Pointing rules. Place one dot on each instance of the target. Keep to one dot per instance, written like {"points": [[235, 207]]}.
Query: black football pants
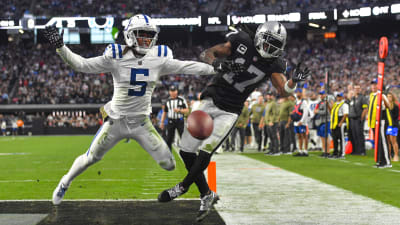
{"points": [[357, 133], [284, 136], [172, 125], [272, 134], [257, 135], [242, 132]]}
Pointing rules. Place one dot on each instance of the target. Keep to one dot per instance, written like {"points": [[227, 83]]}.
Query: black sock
{"points": [[199, 165], [189, 159]]}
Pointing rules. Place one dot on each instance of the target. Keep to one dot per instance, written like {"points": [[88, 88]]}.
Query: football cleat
{"points": [[205, 205], [298, 154], [380, 166], [59, 192], [172, 193]]}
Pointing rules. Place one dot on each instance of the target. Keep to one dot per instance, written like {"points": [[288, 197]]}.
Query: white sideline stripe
{"points": [[282, 197], [358, 163], [14, 153], [21, 219], [96, 200]]}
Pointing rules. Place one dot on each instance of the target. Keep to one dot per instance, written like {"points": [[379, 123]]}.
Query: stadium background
{"points": [[51, 99]]}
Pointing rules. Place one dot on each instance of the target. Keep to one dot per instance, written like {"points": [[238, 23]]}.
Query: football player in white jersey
{"points": [[135, 67]]}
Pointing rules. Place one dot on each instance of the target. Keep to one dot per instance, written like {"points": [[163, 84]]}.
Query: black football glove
{"points": [[55, 39], [221, 66], [299, 74]]}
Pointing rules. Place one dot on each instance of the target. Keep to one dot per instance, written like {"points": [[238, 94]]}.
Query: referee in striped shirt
{"points": [[175, 108]]}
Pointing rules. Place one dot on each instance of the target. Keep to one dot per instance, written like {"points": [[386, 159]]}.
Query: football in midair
{"points": [[200, 125]]}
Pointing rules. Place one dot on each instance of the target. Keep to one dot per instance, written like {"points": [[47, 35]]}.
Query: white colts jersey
{"points": [[134, 78]]}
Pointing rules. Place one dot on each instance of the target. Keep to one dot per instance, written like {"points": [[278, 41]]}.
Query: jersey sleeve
{"points": [[235, 38], [114, 51], [161, 51], [279, 66], [174, 66], [99, 64], [345, 109], [185, 105], [165, 107]]}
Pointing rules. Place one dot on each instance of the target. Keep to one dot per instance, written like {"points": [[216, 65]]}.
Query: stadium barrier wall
{"points": [[37, 127]]}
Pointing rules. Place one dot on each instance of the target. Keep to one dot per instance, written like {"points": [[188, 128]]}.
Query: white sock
{"points": [[80, 164]]}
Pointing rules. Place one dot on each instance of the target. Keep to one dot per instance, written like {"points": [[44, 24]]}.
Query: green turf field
{"points": [[126, 172], [355, 173]]}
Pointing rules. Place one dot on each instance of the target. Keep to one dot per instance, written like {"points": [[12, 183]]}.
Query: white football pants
{"points": [[111, 132], [223, 124]]}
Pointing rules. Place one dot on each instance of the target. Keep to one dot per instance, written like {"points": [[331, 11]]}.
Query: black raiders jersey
{"points": [[229, 91]]}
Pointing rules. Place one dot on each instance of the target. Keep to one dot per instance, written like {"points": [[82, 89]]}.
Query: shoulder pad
{"points": [[162, 51], [238, 36], [114, 51], [279, 65]]}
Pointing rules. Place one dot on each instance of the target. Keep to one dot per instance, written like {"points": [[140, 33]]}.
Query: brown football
{"points": [[200, 125]]}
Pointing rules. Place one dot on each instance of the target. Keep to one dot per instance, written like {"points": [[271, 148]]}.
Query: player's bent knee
{"points": [[92, 159], [167, 164]]}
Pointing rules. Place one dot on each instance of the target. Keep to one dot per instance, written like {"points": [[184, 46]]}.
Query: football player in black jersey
{"points": [[242, 65]]}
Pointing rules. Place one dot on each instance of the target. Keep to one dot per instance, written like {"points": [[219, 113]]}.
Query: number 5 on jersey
{"points": [[143, 84]]}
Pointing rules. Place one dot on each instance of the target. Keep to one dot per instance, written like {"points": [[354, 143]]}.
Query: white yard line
{"points": [[276, 196], [21, 219], [14, 153]]}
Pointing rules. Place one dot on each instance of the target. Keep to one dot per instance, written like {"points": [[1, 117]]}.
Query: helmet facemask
{"points": [[141, 39], [268, 45], [270, 39], [141, 33]]}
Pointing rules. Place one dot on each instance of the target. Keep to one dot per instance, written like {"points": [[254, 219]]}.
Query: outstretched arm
{"points": [[174, 66], [279, 81], [216, 55], [218, 51], [99, 64], [92, 65], [285, 87]]}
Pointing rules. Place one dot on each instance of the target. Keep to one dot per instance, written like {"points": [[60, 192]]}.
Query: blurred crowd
{"points": [[36, 75], [73, 119], [169, 8], [21, 123], [284, 6]]}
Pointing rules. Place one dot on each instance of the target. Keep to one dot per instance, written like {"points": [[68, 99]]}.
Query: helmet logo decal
{"points": [[145, 18], [130, 20]]}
